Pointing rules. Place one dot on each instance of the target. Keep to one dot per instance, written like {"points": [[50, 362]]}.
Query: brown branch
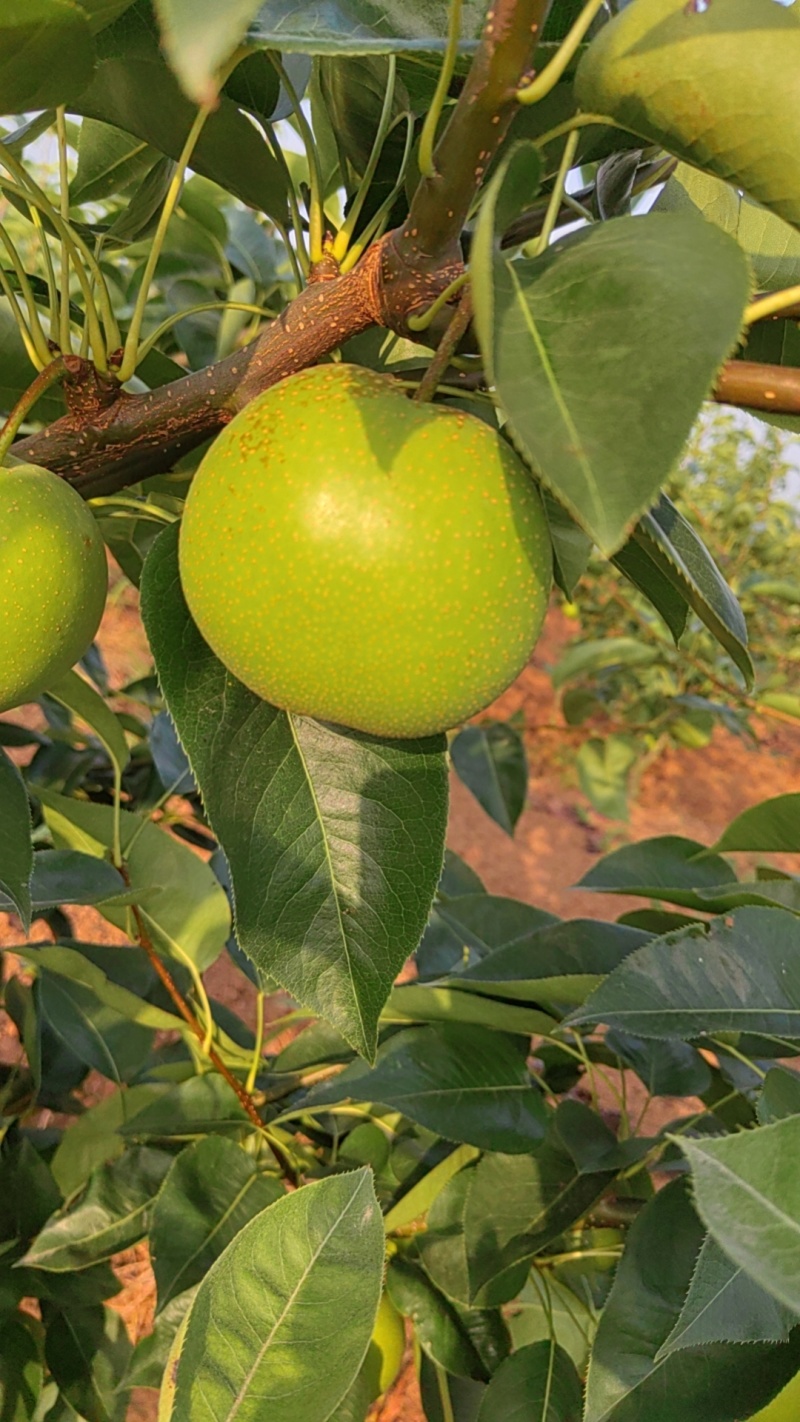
{"points": [[100, 447], [759, 387]]}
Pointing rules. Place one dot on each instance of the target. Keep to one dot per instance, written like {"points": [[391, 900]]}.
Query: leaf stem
{"points": [[19, 317], [427, 139], [549, 77], [63, 196], [34, 324], [448, 1414], [423, 321], [769, 305], [130, 358], [316, 211], [554, 206], [377, 224], [258, 1045], [166, 325], [348, 227], [56, 370]]}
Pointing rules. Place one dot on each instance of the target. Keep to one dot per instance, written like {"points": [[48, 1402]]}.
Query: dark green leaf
{"points": [[465, 1083], [94, 1138], [579, 422], [20, 1371], [334, 839], [673, 546], [46, 54], [437, 1389], [86, 1351], [95, 1032], [694, 984], [112, 1215], [724, 1305], [587, 658], [747, 1192], [772, 246], [571, 547], [665, 1068], [149, 1358], [83, 701], [538, 1384], [436, 1324], [517, 1204], [443, 1249], [212, 1190], [17, 372], [16, 851], [557, 965], [283, 1282], [490, 760], [657, 66], [201, 1104], [464, 928], [108, 162], [627, 1382], [668, 868], [65, 876], [641, 568]]}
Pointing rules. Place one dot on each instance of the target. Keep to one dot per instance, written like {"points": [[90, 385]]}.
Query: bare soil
{"points": [[558, 838]]}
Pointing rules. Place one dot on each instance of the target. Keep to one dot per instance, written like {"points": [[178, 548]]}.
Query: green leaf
{"points": [[772, 826], [747, 1192], [20, 1371], [198, 40], [549, 1309], [436, 1323], [537, 1384], [490, 760], [86, 1350], [281, 1284], [571, 547], [724, 1305], [443, 1250], [94, 1137], [75, 967], [601, 654], [672, 544], [669, 868], [462, 931], [181, 901], [517, 1203], [696, 984], [212, 1190], [780, 1095], [134, 90], [359, 26], [108, 162], [46, 54], [149, 1357], [465, 1083], [16, 850], [415, 1002], [557, 965], [669, 74], [103, 12], [635, 560], [628, 1380], [111, 1215], [94, 1032], [665, 294], [668, 1068], [335, 840], [604, 765], [197, 1106], [84, 702], [65, 876], [772, 246]]}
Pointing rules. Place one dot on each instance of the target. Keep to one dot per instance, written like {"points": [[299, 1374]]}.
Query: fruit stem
{"points": [[549, 77], [430, 381], [56, 370], [424, 320], [554, 206], [427, 139], [348, 227]]}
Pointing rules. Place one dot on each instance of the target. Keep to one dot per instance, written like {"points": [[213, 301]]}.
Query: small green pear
{"points": [[356, 556], [53, 581]]}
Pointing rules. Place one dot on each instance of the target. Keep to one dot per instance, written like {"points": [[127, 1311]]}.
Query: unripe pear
{"points": [[355, 556], [53, 581]]}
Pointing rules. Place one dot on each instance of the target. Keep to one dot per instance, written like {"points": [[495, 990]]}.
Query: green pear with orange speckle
{"points": [[355, 556], [53, 580]]}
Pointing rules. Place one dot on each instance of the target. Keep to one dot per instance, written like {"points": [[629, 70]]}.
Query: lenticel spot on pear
{"points": [[364, 559]]}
